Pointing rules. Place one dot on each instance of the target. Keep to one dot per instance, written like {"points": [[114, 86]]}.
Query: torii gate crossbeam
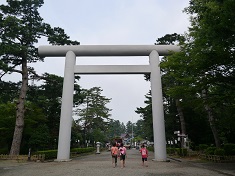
{"points": [[153, 51]]}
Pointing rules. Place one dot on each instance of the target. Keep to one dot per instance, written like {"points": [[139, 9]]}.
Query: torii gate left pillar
{"points": [[66, 108], [153, 51]]}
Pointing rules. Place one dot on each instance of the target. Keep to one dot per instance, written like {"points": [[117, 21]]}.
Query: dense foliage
{"points": [[199, 82], [21, 27]]}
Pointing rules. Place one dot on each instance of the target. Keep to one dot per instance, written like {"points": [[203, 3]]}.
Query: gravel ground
{"points": [[100, 165]]}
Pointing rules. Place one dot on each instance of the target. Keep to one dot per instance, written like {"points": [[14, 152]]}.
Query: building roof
{"points": [[125, 135]]}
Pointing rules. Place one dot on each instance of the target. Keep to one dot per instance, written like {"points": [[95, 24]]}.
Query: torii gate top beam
{"points": [[106, 50]]}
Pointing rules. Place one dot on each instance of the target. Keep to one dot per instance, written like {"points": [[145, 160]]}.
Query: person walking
{"points": [[144, 154], [122, 151], [114, 153]]}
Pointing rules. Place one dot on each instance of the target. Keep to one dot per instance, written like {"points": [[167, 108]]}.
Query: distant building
{"points": [[125, 138]]}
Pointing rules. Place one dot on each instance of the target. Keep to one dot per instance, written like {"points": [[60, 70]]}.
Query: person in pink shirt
{"points": [[122, 151], [114, 153], [144, 154]]}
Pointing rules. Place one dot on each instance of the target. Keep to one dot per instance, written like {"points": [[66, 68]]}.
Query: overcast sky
{"points": [[115, 22]]}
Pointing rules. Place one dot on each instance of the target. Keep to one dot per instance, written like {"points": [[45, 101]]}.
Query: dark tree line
{"points": [[42, 116]]}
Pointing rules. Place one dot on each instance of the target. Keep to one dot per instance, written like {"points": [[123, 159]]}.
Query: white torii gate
{"points": [[153, 51]]}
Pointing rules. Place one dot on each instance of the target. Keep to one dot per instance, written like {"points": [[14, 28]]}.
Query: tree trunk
{"points": [[20, 109], [211, 119], [182, 121]]}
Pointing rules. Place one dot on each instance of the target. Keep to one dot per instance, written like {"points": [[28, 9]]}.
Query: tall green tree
{"points": [[139, 129], [173, 78], [9, 91], [7, 119], [76, 135], [146, 114], [115, 129], [211, 46], [198, 82], [129, 127], [20, 28], [49, 100], [34, 120], [93, 113]]}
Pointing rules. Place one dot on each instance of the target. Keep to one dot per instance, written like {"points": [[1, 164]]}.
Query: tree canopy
{"points": [[198, 82], [21, 27], [93, 115]]}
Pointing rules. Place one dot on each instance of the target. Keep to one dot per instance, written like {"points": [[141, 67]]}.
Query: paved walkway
{"points": [[100, 165]]}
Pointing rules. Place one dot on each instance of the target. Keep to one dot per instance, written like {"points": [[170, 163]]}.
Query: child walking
{"points": [[122, 151], [144, 154], [114, 153]]}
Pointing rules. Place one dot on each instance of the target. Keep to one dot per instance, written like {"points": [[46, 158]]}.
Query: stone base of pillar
{"points": [[62, 160]]}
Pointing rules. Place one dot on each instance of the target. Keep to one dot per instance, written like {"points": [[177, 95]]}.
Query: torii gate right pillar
{"points": [[157, 108]]}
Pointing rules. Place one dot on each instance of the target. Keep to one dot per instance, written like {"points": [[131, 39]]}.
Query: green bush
{"points": [[210, 150], [184, 151], [82, 150], [196, 148], [202, 147], [4, 151], [52, 154], [177, 151], [181, 151], [49, 154], [229, 149], [170, 150], [219, 151], [151, 148]]}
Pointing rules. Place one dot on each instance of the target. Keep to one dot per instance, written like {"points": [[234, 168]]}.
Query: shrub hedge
{"points": [[177, 151], [151, 148], [210, 150], [49, 154], [226, 150], [170, 150], [219, 152], [82, 150], [202, 147], [229, 149], [4, 151], [52, 154]]}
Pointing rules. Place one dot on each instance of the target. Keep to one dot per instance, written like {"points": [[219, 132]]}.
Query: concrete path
{"points": [[101, 165]]}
